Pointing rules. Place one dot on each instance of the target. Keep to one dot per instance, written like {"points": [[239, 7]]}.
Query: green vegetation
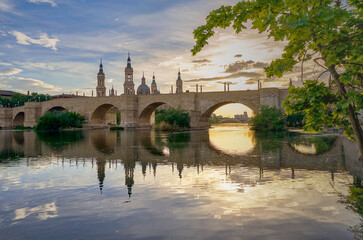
{"points": [[57, 120], [20, 127], [171, 120], [213, 119], [118, 118], [321, 143], [295, 120], [268, 119], [356, 199], [115, 128], [328, 33], [18, 99]]}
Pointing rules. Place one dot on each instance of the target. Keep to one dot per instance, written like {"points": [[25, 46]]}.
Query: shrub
{"points": [[171, 119], [114, 128], [57, 120], [268, 119], [21, 127]]}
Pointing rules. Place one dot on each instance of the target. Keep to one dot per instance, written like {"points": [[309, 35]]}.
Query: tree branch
{"points": [[315, 60]]}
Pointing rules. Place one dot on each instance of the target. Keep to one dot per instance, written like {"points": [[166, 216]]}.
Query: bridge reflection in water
{"points": [[219, 146]]}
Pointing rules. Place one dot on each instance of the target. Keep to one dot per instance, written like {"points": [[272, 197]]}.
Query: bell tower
{"points": [[101, 89], [129, 78], [179, 84]]}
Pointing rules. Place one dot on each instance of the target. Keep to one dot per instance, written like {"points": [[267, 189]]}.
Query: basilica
{"points": [[129, 86]]}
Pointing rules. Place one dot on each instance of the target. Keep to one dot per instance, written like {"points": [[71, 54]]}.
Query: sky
{"points": [[55, 46]]}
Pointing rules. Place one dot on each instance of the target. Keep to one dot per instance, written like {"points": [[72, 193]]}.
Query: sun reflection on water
{"points": [[232, 139]]}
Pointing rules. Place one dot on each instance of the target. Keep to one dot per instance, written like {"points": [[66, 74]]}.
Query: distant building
{"points": [[129, 78], [179, 84], [6, 93], [112, 92], [154, 88], [101, 88], [242, 117], [143, 89]]}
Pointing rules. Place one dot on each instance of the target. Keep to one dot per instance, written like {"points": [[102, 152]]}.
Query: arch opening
{"points": [[147, 115], [19, 119], [55, 109], [106, 114], [226, 112]]}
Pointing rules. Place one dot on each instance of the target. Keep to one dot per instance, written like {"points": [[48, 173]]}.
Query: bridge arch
{"points": [[98, 115], [207, 111], [19, 119], [147, 111], [54, 108]]}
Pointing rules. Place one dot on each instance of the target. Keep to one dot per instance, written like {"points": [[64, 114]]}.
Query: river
{"points": [[223, 183]]}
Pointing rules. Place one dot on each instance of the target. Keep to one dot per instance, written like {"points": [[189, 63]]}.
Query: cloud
{"points": [[6, 6], [22, 84], [238, 55], [201, 61], [43, 40], [242, 65], [9, 71], [51, 2], [36, 65], [233, 75], [5, 64]]}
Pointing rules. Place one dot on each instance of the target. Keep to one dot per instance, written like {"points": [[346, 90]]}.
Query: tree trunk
{"points": [[353, 118]]}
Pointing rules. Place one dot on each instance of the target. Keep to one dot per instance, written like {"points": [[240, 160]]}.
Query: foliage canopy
{"points": [[18, 99], [328, 32], [174, 117], [58, 120], [268, 119]]}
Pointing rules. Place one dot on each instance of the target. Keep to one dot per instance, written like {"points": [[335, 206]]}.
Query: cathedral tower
{"points": [[154, 88], [129, 78], [101, 89], [179, 84]]}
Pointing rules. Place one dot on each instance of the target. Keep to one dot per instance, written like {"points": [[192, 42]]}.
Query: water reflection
{"points": [[232, 139], [195, 175]]}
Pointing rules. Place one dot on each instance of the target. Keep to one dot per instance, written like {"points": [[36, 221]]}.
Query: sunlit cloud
{"points": [[22, 84], [43, 40], [9, 71]]}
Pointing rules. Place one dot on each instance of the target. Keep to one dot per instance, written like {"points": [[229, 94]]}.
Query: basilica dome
{"points": [[143, 89]]}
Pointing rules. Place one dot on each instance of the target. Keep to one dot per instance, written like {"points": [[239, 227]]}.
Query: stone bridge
{"points": [[136, 110]]}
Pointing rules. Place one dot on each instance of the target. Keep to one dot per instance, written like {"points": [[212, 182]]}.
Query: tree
{"points": [[173, 117], [268, 119], [57, 120], [328, 32]]}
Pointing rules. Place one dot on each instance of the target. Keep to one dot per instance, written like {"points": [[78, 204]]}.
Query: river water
{"points": [[223, 183]]}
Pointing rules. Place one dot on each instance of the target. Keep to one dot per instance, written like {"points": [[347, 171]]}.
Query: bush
{"points": [[171, 119], [116, 128], [268, 119], [21, 127], [57, 120]]}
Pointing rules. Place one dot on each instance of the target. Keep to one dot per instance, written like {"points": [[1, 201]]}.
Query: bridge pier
{"points": [[33, 111], [6, 117], [129, 112]]}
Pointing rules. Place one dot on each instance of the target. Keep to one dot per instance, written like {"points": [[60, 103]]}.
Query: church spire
{"points": [[143, 78], [179, 77], [128, 61], [101, 67]]}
